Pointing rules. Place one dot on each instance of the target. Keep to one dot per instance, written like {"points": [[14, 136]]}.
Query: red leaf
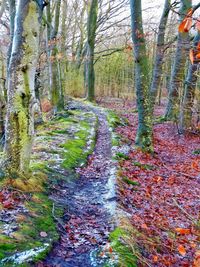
{"points": [[8, 204], [198, 56]]}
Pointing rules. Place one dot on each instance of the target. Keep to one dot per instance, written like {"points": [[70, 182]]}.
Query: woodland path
{"points": [[89, 205]]}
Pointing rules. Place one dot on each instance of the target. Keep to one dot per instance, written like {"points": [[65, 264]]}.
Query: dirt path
{"points": [[89, 204]]}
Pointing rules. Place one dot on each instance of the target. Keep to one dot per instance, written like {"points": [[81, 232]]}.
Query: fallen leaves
{"points": [[9, 199], [169, 236]]}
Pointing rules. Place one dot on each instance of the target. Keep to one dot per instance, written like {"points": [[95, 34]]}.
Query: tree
{"points": [[91, 34], [19, 128], [56, 90], [159, 56], [144, 131], [191, 79], [178, 69]]}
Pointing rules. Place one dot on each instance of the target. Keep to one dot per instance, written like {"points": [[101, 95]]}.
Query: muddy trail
{"points": [[88, 199]]}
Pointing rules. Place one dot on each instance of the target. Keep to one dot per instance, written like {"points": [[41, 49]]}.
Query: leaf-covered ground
{"points": [[160, 193]]}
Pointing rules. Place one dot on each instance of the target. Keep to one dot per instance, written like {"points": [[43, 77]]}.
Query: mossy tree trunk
{"points": [[12, 12], [190, 86], [159, 55], [2, 97], [56, 91], [19, 127], [63, 61], [178, 69], [144, 131], [91, 36]]}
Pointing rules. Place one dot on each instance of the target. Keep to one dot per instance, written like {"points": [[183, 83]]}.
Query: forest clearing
{"points": [[100, 133]]}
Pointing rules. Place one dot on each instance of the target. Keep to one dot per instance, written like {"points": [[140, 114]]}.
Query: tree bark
{"points": [[144, 131], [56, 92], [19, 128], [91, 36], [159, 55], [178, 69], [190, 86]]}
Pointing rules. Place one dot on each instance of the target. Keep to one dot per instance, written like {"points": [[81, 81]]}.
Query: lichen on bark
{"points": [[21, 74]]}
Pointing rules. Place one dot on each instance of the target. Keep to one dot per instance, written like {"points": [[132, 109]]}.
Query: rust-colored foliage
{"points": [[186, 24], [164, 208]]}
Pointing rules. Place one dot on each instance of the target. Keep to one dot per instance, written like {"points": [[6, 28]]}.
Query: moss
{"points": [[120, 155], [130, 182], [75, 153], [115, 140], [35, 166], [160, 119], [196, 151], [125, 254], [144, 166]]}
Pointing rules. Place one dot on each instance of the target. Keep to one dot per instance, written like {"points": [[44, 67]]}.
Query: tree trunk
{"points": [[91, 36], [19, 128], [144, 131], [159, 55], [191, 81], [178, 69], [57, 101]]}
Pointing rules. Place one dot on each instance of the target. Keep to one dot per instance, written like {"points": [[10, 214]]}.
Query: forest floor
{"points": [[111, 202], [160, 193]]}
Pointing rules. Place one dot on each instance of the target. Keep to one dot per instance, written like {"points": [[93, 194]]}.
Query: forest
{"points": [[100, 133]]}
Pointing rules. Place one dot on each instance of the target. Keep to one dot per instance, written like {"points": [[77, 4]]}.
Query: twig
{"points": [[58, 220], [184, 211]]}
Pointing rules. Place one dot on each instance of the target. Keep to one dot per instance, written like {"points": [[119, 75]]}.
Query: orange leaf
{"points": [[192, 56], [190, 12], [110, 249], [188, 25], [196, 262], [195, 164], [144, 226], [183, 231], [181, 250], [155, 258], [198, 56]]}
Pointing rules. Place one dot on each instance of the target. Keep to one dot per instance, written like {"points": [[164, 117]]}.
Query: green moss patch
{"points": [[144, 166], [125, 254], [28, 235]]}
